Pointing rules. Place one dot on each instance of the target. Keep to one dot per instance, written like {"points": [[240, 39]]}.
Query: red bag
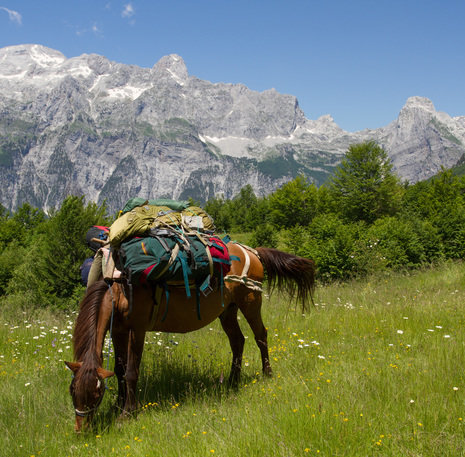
{"points": [[220, 255]]}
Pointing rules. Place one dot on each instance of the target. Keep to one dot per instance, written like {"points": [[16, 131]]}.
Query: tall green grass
{"points": [[375, 368]]}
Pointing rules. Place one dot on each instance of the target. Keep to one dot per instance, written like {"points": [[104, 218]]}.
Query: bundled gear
{"points": [[141, 219], [163, 243]]}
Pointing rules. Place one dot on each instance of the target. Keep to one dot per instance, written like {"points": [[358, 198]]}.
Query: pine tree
{"points": [[364, 187]]}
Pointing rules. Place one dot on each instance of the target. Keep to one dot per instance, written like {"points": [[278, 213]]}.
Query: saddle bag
{"points": [[169, 259]]}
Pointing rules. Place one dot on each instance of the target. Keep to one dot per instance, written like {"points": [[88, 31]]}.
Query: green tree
{"points": [[19, 226], [243, 213], [364, 187], [243, 209], [295, 203], [10, 230], [16, 231], [59, 250], [441, 201], [437, 196], [10, 258], [217, 208]]}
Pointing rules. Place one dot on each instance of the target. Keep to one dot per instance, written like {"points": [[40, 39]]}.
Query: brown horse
{"points": [[106, 306]]}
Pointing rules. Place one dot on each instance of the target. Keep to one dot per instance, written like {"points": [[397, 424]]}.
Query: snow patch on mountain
{"points": [[108, 130]]}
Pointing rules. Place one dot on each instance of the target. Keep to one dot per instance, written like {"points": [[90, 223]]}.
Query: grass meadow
{"points": [[376, 368]]}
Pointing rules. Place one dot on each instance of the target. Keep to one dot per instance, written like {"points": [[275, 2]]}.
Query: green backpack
{"points": [[177, 205], [167, 259]]}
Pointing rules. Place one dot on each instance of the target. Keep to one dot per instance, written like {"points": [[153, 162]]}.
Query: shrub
{"points": [[450, 227], [264, 235], [334, 244], [10, 258], [295, 238], [406, 242], [329, 242]]}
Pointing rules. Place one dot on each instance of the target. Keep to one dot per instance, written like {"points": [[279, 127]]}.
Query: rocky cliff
{"points": [[105, 130]]}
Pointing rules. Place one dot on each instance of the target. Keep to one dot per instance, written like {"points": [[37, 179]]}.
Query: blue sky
{"points": [[357, 60]]}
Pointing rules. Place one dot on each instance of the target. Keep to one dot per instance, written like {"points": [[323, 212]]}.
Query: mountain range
{"points": [[109, 131]]}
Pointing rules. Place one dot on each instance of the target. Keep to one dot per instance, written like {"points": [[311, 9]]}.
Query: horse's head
{"points": [[86, 389]]}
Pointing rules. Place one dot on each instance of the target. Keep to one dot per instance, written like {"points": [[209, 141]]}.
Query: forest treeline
{"points": [[363, 220]]}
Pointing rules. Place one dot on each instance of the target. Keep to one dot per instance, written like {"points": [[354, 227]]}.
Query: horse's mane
{"points": [[85, 331]]}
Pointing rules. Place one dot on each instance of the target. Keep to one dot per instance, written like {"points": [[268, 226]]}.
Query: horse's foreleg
{"points": [[135, 349], [236, 339], [252, 312], [120, 343]]}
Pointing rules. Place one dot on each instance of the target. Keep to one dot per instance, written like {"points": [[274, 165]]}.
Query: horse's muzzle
{"points": [[78, 423]]}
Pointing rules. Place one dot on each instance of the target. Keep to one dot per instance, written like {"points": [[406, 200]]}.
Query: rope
{"points": [[243, 278]]}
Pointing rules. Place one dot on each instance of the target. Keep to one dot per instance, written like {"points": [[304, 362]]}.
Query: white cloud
{"points": [[128, 10], [13, 15], [96, 30]]}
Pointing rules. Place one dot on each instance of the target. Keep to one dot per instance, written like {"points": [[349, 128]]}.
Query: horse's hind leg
{"points": [[251, 309], [231, 327]]}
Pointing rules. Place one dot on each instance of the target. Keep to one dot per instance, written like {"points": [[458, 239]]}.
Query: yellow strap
{"points": [[174, 254], [155, 306]]}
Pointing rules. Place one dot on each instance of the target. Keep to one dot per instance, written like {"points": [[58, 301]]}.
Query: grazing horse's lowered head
{"points": [[87, 389], [88, 386]]}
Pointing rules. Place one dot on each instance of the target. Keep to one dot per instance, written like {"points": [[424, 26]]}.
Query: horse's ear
{"points": [[74, 366], [103, 374]]}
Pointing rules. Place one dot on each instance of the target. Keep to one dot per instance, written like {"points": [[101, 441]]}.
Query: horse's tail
{"points": [[289, 273], [86, 322]]}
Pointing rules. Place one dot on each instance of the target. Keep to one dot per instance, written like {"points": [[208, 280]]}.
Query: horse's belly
{"points": [[182, 314]]}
